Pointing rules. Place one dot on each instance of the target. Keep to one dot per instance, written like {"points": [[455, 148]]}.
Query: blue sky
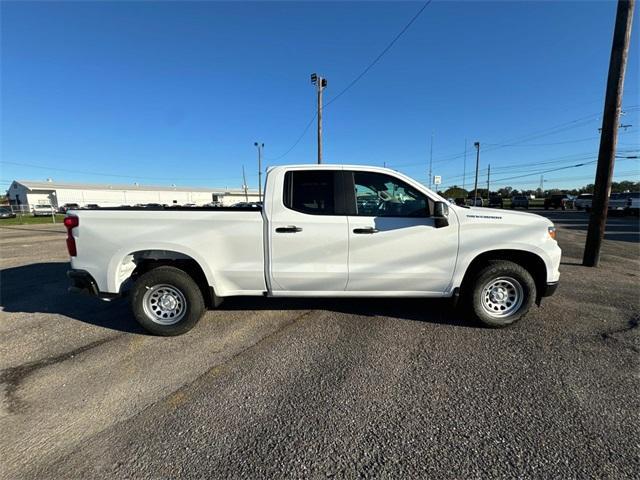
{"points": [[161, 93]]}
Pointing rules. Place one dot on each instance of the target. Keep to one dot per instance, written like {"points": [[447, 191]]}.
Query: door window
{"points": [[380, 195], [310, 191]]}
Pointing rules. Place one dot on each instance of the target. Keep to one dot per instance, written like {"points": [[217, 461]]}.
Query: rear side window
{"points": [[310, 191]]}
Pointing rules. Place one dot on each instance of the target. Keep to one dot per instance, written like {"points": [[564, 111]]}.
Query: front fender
{"points": [[549, 252]]}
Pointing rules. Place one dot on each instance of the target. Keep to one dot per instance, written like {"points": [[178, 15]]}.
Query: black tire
{"points": [[509, 272], [172, 278]]}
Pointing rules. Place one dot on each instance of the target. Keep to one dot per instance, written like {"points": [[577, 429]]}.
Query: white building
{"points": [[28, 193]]}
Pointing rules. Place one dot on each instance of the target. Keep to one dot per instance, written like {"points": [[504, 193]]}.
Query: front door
{"points": [[308, 233], [394, 245]]}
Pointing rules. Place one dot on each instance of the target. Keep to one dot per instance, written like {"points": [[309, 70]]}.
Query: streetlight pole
{"points": [[475, 185], [260, 147], [320, 84]]}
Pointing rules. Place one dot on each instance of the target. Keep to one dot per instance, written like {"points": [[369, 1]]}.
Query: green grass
{"points": [[29, 220]]}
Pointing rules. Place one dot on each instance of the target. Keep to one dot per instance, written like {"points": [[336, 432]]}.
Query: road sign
{"points": [[437, 179]]}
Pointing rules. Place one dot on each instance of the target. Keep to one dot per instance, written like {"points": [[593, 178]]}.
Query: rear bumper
{"points": [[549, 289], [82, 282]]}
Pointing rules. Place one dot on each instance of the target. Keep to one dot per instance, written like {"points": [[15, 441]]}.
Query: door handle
{"points": [[288, 229], [367, 230]]}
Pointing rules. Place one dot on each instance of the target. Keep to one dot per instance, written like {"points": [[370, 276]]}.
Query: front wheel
{"points": [[502, 293], [166, 301]]}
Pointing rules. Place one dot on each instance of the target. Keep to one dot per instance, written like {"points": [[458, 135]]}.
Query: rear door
{"points": [[308, 233], [394, 245]]}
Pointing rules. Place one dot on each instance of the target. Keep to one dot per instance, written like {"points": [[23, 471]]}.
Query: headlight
{"points": [[552, 232]]}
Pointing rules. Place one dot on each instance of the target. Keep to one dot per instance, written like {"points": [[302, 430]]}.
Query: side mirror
{"points": [[441, 214]]}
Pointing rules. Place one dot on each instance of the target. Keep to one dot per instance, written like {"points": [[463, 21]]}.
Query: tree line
{"points": [[506, 192]]}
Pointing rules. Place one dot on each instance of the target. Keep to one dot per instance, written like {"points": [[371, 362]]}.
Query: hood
{"points": [[496, 215]]}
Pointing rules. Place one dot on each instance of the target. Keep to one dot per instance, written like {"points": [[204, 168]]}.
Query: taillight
{"points": [[71, 222]]}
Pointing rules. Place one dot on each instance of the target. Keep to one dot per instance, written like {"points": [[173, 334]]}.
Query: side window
{"points": [[310, 191], [380, 195]]}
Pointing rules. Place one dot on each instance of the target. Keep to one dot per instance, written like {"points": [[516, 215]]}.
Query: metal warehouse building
{"points": [[27, 193]]}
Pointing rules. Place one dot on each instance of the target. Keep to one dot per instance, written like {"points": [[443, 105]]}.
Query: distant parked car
{"points": [[520, 201], [68, 206], [584, 201], [618, 203], [92, 206], [460, 201], [496, 201], [633, 203], [247, 205], [6, 212], [42, 210], [559, 200], [152, 206], [478, 202]]}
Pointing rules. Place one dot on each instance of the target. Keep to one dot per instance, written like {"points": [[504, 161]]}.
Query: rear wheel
{"points": [[502, 293], [167, 301]]}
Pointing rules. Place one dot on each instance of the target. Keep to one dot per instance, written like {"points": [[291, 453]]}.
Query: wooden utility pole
{"points": [[464, 167], [431, 163], [488, 177], [320, 84], [608, 137], [260, 147], [475, 185], [319, 124]]}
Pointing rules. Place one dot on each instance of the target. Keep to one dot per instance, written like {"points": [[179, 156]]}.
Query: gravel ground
{"points": [[371, 388]]}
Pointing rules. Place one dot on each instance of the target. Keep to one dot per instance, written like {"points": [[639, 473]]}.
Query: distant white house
{"points": [[28, 193]]}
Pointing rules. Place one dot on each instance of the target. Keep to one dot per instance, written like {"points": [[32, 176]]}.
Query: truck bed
{"points": [[226, 242]]}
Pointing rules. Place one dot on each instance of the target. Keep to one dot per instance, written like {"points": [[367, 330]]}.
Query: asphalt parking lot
{"points": [[371, 388]]}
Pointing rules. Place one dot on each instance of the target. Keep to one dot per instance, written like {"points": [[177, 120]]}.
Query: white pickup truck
{"points": [[324, 230]]}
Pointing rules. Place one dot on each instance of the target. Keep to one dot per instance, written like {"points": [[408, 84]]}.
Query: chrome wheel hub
{"points": [[164, 304], [502, 296]]}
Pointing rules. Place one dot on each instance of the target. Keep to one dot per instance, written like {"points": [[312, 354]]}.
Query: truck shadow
{"points": [[436, 311], [42, 288]]}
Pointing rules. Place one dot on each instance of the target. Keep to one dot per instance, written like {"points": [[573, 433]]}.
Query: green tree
{"points": [[455, 192]]}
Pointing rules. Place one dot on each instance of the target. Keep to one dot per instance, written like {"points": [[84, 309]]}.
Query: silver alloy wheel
{"points": [[502, 296], [164, 304]]}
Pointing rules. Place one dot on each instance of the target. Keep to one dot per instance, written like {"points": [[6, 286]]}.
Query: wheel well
{"points": [[529, 261], [149, 259]]}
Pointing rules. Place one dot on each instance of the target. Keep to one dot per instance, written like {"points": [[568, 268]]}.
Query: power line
{"points": [[571, 124], [113, 175], [538, 172], [357, 78], [377, 59], [295, 144]]}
